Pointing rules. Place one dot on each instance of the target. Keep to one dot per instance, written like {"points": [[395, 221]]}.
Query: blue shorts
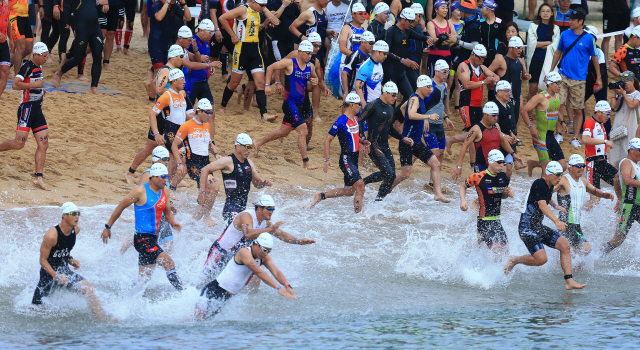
{"points": [[535, 236], [158, 51], [435, 138], [294, 113], [349, 166]]}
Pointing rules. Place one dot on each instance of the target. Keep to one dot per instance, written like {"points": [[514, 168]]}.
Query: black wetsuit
{"points": [[514, 76], [59, 257], [87, 31], [237, 185], [394, 70], [379, 118], [377, 28], [415, 54], [470, 34], [507, 119]]}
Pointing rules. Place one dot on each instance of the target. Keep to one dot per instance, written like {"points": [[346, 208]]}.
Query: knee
{"points": [[86, 288], [302, 130], [585, 248], [111, 35], [19, 144], [359, 186], [213, 187], [405, 174], [563, 245], [541, 260]]}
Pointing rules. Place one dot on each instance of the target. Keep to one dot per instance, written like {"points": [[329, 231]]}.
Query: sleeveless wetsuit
{"points": [[546, 145], [490, 140], [147, 225], [572, 203], [295, 85], [237, 185], [471, 100]]}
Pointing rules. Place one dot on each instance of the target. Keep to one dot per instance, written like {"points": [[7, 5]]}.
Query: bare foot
{"points": [[447, 146], [222, 110], [511, 263], [442, 198], [38, 182], [270, 117], [225, 77], [94, 90], [317, 119], [240, 92], [126, 52], [357, 206], [519, 165], [530, 168], [309, 166], [106, 66], [119, 50], [209, 221], [316, 199], [128, 177], [185, 184], [82, 77], [571, 284], [57, 76]]}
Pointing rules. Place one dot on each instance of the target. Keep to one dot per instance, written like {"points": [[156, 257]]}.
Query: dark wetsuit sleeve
{"points": [[395, 134], [415, 35], [364, 116], [389, 39]]}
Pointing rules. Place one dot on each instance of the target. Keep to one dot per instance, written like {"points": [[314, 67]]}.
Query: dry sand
{"points": [[93, 139]]}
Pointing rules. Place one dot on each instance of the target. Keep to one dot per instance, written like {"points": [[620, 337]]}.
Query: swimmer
{"points": [[237, 274], [534, 234], [55, 259], [150, 203]]}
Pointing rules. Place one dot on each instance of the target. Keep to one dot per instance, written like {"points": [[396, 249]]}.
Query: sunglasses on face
{"points": [[74, 213], [494, 115], [247, 146], [271, 209], [579, 166], [501, 162], [308, 53], [507, 91], [384, 53], [518, 48], [164, 177], [557, 174], [481, 57], [393, 95], [209, 112], [210, 32], [637, 149], [317, 46], [361, 13], [386, 13], [264, 250], [181, 56], [165, 159], [444, 71], [608, 114], [371, 42]]}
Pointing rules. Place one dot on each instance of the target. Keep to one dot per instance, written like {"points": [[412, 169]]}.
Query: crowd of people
{"points": [[396, 65]]}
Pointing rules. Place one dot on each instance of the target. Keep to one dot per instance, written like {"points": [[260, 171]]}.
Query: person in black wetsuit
{"points": [[238, 172], [283, 40], [56, 259], [507, 122], [88, 33], [376, 26], [378, 116], [471, 35], [397, 63]]}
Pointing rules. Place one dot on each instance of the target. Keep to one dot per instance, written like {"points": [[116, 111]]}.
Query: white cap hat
{"points": [[159, 152], [175, 74], [591, 30], [636, 12], [367, 36], [603, 106], [490, 108], [516, 41], [381, 45], [40, 48], [554, 167], [553, 77], [314, 38], [636, 32], [204, 104], [175, 51], [206, 24], [417, 9], [185, 32], [243, 139], [423, 81], [576, 159], [158, 169], [494, 156], [408, 14], [68, 207], [305, 46], [266, 201], [262, 2], [635, 143], [503, 85], [265, 240], [358, 7], [380, 8], [441, 65], [352, 97], [390, 87], [480, 50]]}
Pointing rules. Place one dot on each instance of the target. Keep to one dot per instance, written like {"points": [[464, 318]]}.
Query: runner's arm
{"points": [[626, 171], [288, 238], [161, 81], [49, 241], [465, 79], [546, 210], [275, 271], [245, 225], [131, 198], [327, 146], [219, 164], [345, 33], [524, 112], [159, 15], [247, 259], [474, 133], [175, 145], [298, 22], [591, 189], [556, 58], [229, 16], [257, 180], [413, 110]]}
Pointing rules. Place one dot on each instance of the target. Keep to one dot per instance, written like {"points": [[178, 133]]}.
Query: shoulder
{"points": [[51, 236]]}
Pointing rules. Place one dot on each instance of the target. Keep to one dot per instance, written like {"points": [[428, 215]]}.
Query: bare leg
{"points": [[108, 47], [532, 10], [203, 210], [16, 59], [4, 76], [404, 174], [302, 146], [615, 242], [539, 258], [85, 288], [357, 199], [315, 100], [248, 95], [435, 174], [565, 262], [42, 139], [283, 131], [17, 144], [126, 244], [450, 140], [139, 158]]}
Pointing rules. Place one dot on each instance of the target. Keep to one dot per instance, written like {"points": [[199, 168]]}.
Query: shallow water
{"points": [[405, 273]]}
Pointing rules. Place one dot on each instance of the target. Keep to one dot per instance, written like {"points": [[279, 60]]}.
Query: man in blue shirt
{"points": [[369, 77], [573, 68]]}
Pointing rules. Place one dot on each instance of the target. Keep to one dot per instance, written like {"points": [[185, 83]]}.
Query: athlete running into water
{"points": [[630, 208], [415, 113], [378, 116], [298, 71], [245, 228], [472, 77], [347, 130], [150, 203], [534, 234], [492, 186], [30, 80], [245, 263], [55, 259], [572, 190], [238, 173]]}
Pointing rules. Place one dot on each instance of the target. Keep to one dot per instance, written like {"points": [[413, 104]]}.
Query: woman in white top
{"points": [[626, 106], [543, 37]]}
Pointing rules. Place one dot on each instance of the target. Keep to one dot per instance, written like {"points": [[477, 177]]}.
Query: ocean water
{"points": [[404, 273]]}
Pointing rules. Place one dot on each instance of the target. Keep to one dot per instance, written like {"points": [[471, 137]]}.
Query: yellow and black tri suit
{"points": [[246, 54]]}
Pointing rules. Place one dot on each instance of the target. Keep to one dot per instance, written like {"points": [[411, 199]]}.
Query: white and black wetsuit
{"points": [[237, 185], [59, 257]]}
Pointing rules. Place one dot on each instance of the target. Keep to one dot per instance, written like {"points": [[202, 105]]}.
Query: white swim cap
{"points": [[494, 156], [480, 50], [417, 9], [158, 169], [305, 46], [575, 159], [69, 207], [367, 36], [423, 81], [185, 32], [516, 41], [441, 65], [503, 85], [380, 8], [314, 38], [243, 139], [262, 2], [635, 143], [175, 74], [40, 48], [592, 30], [603, 106], [265, 240], [553, 77], [381, 45], [490, 108], [554, 168], [206, 24], [204, 104], [266, 201], [358, 7], [390, 87], [636, 12], [175, 51], [352, 97], [159, 152], [408, 14]]}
